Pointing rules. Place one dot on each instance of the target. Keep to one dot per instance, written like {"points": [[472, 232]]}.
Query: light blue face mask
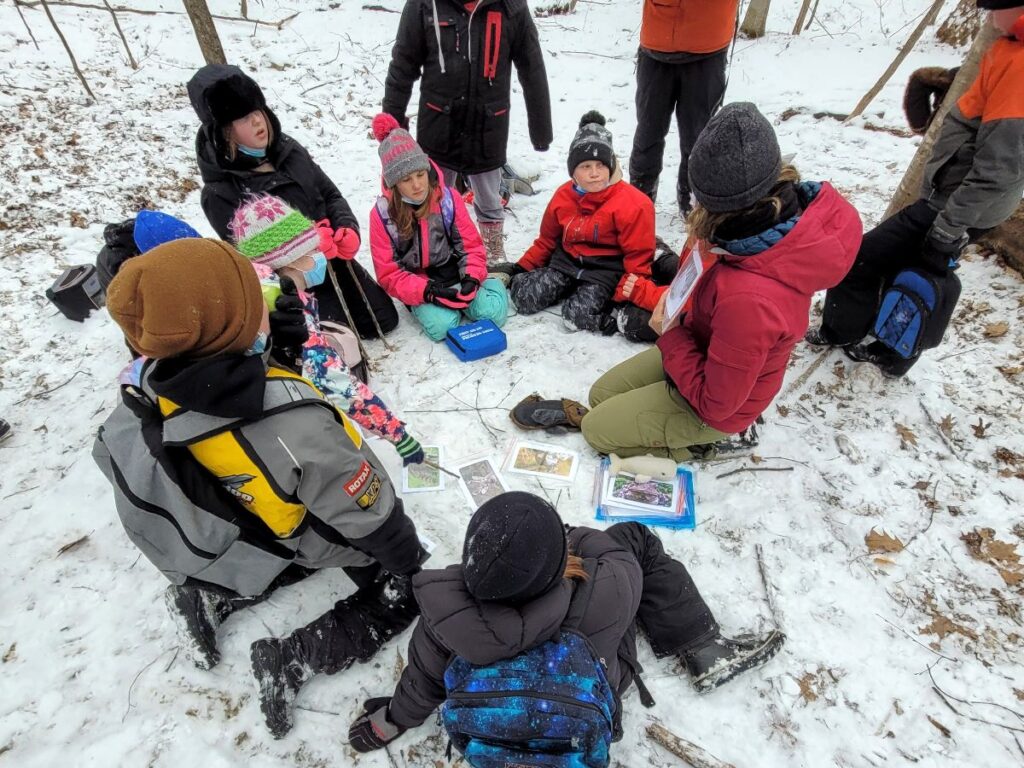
{"points": [[259, 153], [316, 275], [415, 203], [259, 346]]}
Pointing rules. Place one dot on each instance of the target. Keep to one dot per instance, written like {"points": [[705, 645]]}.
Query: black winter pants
{"points": [[380, 303], [672, 613], [693, 91]]}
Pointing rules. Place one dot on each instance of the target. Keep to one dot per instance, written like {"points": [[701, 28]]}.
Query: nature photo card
{"points": [[423, 478]]}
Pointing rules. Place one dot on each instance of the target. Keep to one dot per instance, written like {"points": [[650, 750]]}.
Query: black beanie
{"points": [[515, 549], [998, 5], [736, 160], [234, 97], [592, 142]]}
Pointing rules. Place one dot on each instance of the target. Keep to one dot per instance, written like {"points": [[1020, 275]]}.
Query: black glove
{"points": [[435, 290], [288, 321], [373, 730], [507, 268], [468, 286], [942, 247]]}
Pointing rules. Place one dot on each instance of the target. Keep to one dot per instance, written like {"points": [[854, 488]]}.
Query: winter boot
{"points": [[722, 658], [816, 338], [888, 362], [353, 630], [493, 236], [197, 612], [5, 430], [666, 263]]}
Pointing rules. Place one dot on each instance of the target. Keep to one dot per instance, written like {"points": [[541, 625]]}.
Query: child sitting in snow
{"points": [[426, 251], [596, 246], [777, 241], [287, 249]]}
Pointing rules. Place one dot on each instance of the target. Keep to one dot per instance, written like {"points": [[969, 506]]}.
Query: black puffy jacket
{"points": [[296, 179], [452, 623], [466, 64]]}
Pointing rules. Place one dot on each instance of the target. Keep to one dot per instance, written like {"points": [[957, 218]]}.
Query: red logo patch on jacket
{"points": [[355, 486]]}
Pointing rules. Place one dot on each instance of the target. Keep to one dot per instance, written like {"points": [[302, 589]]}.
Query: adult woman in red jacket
{"points": [[777, 241]]}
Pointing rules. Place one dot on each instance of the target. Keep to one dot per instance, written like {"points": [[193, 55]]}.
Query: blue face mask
{"points": [[259, 153], [259, 346], [316, 275]]}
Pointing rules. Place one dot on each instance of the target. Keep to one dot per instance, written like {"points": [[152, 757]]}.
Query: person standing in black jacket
{"points": [[512, 592], [229, 104], [464, 53]]}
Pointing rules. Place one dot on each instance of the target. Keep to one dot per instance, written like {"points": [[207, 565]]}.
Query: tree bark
{"points": [[909, 187], [755, 19], [206, 32], [801, 17], [929, 18], [962, 25]]}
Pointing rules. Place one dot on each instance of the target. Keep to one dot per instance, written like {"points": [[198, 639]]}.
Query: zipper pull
{"points": [[457, 36]]}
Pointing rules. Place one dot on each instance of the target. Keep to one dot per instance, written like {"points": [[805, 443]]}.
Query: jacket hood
{"points": [[209, 144], [817, 252], [230, 386], [485, 632]]}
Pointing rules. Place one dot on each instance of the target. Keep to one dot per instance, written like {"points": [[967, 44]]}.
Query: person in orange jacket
{"points": [[973, 182], [680, 68]]}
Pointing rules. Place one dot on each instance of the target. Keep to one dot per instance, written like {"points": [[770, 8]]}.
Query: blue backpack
{"points": [[551, 705], [915, 311]]}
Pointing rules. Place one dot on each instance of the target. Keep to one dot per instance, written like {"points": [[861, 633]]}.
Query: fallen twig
{"points": [[685, 750], [1013, 712], [753, 469], [939, 432], [911, 637], [803, 377], [379, 8], [48, 391], [320, 85], [767, 589], [136, 679], [592, 53]]}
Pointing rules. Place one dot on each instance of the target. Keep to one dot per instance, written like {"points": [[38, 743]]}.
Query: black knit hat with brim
{"points": [[515, 549], [999, 5]]}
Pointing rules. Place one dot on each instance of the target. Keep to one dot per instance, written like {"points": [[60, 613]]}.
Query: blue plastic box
{"points": [[476, 340]]}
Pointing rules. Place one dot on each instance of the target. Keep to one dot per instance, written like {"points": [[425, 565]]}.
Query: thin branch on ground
{"points": [[685, 750], [938, 430], [969, 702], [911, 637], [807, 373], [768, 589], [136, 679], [37, 395], [754, 469]]}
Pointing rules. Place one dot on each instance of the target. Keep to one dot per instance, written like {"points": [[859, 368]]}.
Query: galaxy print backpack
{"points": [[551, 705]]}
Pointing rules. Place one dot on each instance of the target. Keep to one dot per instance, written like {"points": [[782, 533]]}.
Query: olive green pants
{"points": [[634, 412]]}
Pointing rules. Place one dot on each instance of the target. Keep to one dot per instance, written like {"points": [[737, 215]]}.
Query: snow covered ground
{"points": [[893, 657]]}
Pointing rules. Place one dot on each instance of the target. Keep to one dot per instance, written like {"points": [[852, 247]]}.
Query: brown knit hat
{"points": [[192, 297]]}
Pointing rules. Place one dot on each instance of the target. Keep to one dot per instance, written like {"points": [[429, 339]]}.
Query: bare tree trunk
{"points": [[910, 186], [929, 18], [67, 48], [206, 32], [755, 19], [117, 26], [962, 25], [801, 17]]}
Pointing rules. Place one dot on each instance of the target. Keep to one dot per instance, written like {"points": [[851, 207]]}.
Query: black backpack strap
{"points": [[581, 595]]}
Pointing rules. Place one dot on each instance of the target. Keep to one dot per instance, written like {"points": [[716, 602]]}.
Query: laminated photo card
{"points": [[541, 460], [422, 478], [480, 480], [648, 500]]}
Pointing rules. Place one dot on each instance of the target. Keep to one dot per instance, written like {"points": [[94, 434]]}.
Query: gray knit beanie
{"points": [[592, 142], [736, 160], [399, 153]]}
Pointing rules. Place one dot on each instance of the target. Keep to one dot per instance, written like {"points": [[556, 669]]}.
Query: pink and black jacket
{"points": [[445, 247]]}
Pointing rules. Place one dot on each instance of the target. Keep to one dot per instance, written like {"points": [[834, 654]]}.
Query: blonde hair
{"points": [[232, 145], [702, 223], [574, 569], [404, 215]]}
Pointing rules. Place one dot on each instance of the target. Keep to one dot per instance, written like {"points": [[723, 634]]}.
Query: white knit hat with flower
{"points": [[268, 231]]}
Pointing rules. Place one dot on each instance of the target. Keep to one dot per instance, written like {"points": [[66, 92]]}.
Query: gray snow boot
{"points": [[722, 658]]}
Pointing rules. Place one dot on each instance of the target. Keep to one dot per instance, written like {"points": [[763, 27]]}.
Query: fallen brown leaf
{"points": [[1009, 371], [882, 542], [907, 436], [1006, 456], [1001, 555], [1019, 693], [755, 459], [995, 330], [11, 653], [943, 626], [783, 410], [980, 427], [78, 220], [806, 685], [946, 425], [884, 561], [73, 545]]}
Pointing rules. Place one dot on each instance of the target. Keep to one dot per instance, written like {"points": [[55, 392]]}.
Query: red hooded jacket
{"points": [[729, 356], [611, 230]]}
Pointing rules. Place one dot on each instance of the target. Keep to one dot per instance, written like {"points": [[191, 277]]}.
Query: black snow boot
{"points": [[5, 430], [197, 612], [353, 630], [816, 337], [722, 658], [883, 358], [742, 443]]}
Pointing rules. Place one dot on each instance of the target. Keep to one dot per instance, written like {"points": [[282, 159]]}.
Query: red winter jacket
{"points": [[729, 356], [608, 236]]}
